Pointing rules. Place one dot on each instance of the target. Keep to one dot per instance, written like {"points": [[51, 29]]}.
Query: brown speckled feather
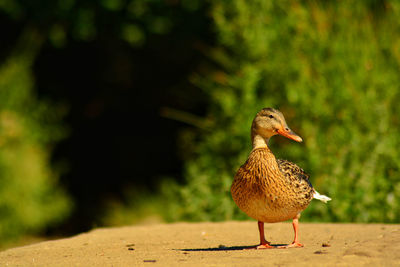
{"points": [[296, 177], [269, 190]]}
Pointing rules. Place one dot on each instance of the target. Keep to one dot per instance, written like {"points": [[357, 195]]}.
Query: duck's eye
{"points": [[271, 116]]}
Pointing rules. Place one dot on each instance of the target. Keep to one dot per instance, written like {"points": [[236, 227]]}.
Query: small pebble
{"points": [[320, 252], [326, 245]]}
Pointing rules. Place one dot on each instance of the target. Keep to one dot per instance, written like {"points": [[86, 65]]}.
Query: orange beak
{"points": [[286, 132]]}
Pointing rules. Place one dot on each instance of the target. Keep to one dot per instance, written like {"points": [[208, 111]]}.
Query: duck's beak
{"points": [[286, 132]]}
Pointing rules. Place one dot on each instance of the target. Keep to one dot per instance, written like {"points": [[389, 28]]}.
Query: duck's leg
{"points": [[263, 243], [295, 243]]}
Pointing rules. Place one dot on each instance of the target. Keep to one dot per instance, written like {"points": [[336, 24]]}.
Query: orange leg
{"points": [[295, 243], [263, 243]]}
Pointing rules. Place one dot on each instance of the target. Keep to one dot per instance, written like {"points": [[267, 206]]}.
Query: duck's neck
{"points": [[259, 141]]}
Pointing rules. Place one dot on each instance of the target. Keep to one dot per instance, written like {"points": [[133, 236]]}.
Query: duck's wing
{"points": [[296, 175]]}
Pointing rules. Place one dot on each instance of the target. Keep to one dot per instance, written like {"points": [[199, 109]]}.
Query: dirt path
{"points": [[216, 244]]}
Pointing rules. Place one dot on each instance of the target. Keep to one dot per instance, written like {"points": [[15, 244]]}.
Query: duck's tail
{"points": [[323, 198]]}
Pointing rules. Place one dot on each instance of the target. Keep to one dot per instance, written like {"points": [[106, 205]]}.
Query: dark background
{"points": [[116, 111], [114, 94]]}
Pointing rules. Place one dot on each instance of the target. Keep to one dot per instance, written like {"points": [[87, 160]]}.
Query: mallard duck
{"points": [[271, 190]]}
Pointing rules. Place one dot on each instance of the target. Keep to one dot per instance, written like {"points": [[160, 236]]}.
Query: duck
{"points": [[272, 190]]}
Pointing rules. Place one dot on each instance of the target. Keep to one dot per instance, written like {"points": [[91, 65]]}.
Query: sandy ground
{"points": [[216, 244]]}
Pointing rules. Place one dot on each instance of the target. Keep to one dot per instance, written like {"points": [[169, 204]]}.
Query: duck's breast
{"points": [[268, 190]]}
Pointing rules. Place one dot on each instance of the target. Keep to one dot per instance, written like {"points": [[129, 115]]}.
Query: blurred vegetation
{"points": [[30, 196], [99, 68], [332, 68], [196, 71]]}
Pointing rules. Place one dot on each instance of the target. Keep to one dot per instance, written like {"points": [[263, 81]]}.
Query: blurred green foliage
{"points": [[332, 68], [30, 197]]}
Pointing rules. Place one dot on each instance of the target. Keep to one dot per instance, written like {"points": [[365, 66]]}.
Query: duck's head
{"points": [[267, 123]]}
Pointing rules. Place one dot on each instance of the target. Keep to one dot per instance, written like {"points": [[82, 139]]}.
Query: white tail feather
{"points": [[323, 198]]}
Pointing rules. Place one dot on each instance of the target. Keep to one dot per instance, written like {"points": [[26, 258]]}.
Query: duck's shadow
{"points": [[224, 248]]}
